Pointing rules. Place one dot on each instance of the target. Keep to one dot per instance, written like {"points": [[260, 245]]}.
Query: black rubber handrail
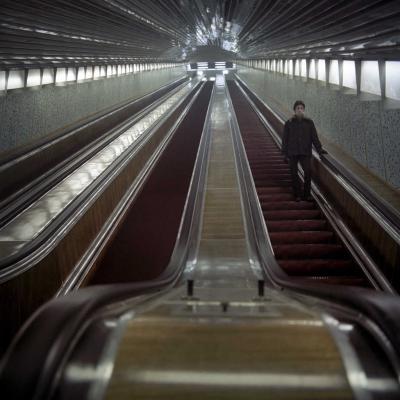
{"points": [[49, 335], [382, 206]]}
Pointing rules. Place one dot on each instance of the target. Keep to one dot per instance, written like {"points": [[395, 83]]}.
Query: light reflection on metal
{"points": [[33, 220], [236, 379]]}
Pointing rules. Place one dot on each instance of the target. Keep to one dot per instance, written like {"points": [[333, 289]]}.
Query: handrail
{"points": [[21, 198], [259, 245], [48, 238], [59, 321], [385, 209]]}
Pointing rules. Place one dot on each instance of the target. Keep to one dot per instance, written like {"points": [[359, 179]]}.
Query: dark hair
{"points": [[299, 103]]}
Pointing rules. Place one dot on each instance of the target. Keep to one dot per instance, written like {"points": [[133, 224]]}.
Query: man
{"points": [[298, 137]]}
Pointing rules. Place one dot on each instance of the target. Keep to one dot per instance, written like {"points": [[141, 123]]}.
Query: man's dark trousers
{"points": [[305, 162]]}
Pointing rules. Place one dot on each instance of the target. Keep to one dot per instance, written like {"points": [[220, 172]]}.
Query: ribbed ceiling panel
{"points": [[61, 32]]}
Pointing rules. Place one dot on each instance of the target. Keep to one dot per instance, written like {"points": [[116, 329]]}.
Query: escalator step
{"points": [[309, 251], [284, 215], [301, 237], [287, 226], [272, 189], [271, 198], [341, 280], [287, 205], [318, 267]]}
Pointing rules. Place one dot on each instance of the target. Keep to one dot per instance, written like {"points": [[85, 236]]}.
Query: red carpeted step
{"points": [[273, 190], [270, 182], [308, 251], [340, 280], [274, 176], [276, 169], [284, 215], [276, 197], [285, 226], [318, 267], [301, 237], [269, 205]]}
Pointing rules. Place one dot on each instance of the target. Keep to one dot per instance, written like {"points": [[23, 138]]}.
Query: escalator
{"points": [[222, 326], [304, 243], [153, 220], [65, 253]]}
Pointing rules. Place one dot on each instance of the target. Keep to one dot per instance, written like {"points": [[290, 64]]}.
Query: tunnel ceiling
{"points": [[63, 32]]}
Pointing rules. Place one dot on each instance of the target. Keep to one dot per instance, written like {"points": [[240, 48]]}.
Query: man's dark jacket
{"points": [[299, 135]]}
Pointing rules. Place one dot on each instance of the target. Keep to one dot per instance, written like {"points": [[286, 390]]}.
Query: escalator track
{"points": [[124, 340], [60, 271], [154, 218], [304, 243]]}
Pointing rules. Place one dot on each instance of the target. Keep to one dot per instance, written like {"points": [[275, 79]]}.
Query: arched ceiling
{"points": [[66, 32]]}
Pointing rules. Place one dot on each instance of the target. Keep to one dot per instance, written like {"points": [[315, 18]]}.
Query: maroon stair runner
{"points": [[302, 239]]}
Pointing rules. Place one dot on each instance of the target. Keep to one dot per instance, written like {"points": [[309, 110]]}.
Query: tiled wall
{"points": [[26, 115], [365, 127]]}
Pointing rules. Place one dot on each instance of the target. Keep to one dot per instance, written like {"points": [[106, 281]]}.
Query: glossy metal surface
{"points": [[33, 220]]}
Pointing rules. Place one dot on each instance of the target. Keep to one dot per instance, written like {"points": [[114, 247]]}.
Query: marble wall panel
{"points": [[26, 115], [363, 128], [391, 145], [371, 113]]}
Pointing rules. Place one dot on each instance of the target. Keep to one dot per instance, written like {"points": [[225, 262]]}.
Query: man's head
{"points": [[299, 108]]}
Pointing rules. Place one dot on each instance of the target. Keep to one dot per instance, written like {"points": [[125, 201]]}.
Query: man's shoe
{"points": [[307, 198], [298, 199]]}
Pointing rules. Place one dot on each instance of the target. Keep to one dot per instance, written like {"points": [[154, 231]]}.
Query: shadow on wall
{"points": [[361, 125]]}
